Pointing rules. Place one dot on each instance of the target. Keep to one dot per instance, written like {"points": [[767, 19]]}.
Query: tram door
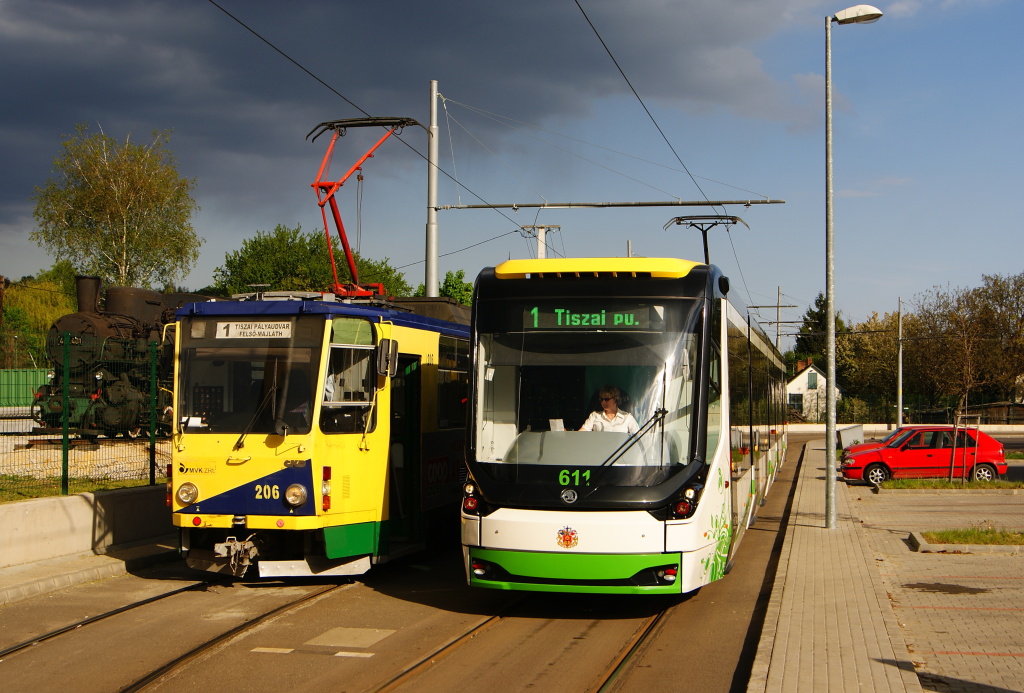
{"points": [[404, 451]]}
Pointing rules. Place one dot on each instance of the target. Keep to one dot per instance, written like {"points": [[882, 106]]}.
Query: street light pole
{"points": [[858, 14]]}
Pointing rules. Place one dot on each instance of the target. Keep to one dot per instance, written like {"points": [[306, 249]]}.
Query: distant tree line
{"points": [[119, 210], [960, 346]]}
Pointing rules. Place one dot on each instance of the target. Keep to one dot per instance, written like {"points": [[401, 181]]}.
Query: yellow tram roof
{"points": [[660, 267]]}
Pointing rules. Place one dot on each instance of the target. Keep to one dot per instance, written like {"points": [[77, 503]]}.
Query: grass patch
{"points": [[1015, 455], [16, 488], [944, 484], [983, 535]]}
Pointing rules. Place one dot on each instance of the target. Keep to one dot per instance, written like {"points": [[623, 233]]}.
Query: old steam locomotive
{"points": [[108, 365]]}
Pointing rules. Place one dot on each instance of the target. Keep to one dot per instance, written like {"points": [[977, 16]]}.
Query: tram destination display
{"points": [[593, 316]]}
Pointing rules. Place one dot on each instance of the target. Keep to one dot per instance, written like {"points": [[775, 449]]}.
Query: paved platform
{"points": [[829, 625], [855, 608]]}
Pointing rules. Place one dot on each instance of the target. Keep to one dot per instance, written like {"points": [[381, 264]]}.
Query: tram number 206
{"points": [[268, 492], [573, 477]]}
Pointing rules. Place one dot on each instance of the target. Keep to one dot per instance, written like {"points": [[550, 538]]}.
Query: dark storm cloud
{"points": [[240, 111]]}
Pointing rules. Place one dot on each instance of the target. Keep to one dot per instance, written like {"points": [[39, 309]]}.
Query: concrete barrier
{"points": [[879, 430], [44, 528]]}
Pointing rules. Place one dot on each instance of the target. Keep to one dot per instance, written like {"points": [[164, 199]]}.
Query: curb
{"points": [[948, 491], [52, 574], [758, 681], [918, 543]]}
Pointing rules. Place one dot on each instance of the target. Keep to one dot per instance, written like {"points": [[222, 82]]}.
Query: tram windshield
{"points": [[626, 378], [249, 375]]}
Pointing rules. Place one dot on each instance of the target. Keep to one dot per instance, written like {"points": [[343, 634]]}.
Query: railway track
{"points": [[645, 629], [210, 645], [113, 650], [77, 625]]}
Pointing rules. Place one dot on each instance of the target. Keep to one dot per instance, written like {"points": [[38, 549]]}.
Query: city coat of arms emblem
{"points": [[568, 537]]}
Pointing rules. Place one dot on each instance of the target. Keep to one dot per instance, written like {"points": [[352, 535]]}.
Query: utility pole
{"points": [[541, 233], [778, 315], [430, 281], [899, 365]]}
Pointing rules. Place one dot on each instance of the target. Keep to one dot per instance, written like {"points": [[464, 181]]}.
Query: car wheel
{"points": [[984, 472], [875, 474]]}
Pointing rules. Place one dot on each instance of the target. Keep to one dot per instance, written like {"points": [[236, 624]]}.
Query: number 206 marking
{"points": [[268, 492]]}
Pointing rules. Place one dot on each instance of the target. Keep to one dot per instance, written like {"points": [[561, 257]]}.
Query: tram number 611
{"points": [[573, 477], [268, 492]]}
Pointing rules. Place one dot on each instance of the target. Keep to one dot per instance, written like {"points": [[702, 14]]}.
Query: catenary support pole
{"points": [[430, 281]]}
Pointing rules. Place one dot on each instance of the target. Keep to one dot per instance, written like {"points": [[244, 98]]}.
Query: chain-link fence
{"points": [[97, 420]]}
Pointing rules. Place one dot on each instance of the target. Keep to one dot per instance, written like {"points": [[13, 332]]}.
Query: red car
{"points": [[928, 451], [892, 436]]}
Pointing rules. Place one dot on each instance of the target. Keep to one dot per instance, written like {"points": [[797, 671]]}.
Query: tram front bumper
{"points": [[650, 573]]}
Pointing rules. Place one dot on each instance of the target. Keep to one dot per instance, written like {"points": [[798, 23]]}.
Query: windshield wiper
{"points": [[617, 453], [240, 443]]}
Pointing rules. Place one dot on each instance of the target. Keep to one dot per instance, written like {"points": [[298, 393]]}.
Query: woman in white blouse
{"points": [[611, 418]]}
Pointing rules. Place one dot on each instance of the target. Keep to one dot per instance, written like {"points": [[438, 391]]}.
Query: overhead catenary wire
{"points": [[461, 185], [505, 121], [660, 131], [365, 113]]}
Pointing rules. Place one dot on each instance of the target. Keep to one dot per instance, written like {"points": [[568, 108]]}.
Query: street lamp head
{"points": [[858, 14]]}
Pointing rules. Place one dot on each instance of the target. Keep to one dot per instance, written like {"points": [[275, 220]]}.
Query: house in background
{"points": [[807, 393]]}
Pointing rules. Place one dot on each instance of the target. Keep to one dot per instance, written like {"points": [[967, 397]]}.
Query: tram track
{"points": [[111, 651], [523, 609], [77, 625], [210, 645], [645, 633], [446, 649]]}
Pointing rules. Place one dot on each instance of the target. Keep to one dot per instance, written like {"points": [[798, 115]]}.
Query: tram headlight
{"points": [[187, 493], [295, 495]]}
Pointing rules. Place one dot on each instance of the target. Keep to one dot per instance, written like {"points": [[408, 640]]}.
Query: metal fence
{"points": [[92, 426], [921, 410]]}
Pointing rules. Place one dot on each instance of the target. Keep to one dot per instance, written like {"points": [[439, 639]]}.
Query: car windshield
{"points": [[898, 440]]}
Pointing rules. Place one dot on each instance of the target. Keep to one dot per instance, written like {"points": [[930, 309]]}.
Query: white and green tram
{"points": [[658, 508]]}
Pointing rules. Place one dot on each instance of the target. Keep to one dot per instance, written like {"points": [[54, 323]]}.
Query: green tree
{"points": [[454, 286], [118, 210], [62, 273], [952, 318], [1001, 301], [30, 307], [286, 259]]}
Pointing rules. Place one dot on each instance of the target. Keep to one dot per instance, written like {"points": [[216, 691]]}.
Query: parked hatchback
{"points": [[896, 433], [929, 451]]}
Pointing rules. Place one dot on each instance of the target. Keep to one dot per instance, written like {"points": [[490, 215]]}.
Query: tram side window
{"points": [[739, 399], [714, 432], [348, 390], [452, 382]]}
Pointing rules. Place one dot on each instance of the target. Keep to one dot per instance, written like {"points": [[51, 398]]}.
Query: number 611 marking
{"points": [[573, 477]]}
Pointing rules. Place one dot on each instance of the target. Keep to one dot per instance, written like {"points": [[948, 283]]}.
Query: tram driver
{"points": [[610, 417]]}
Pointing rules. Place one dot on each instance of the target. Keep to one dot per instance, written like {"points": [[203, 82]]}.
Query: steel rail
{"points": [[100, 617], [210, 644]]}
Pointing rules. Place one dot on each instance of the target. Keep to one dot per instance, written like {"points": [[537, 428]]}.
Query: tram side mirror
{"points": [[387, 357]]}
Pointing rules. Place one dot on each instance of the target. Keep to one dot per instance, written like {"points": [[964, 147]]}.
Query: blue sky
{"points": [[927, 108]]}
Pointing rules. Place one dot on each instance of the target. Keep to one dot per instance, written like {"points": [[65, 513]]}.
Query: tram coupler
{"points": [[239, 554]]}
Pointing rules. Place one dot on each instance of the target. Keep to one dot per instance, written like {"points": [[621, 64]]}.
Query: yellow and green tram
{"points": [[316, 436], [655, 497]]}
